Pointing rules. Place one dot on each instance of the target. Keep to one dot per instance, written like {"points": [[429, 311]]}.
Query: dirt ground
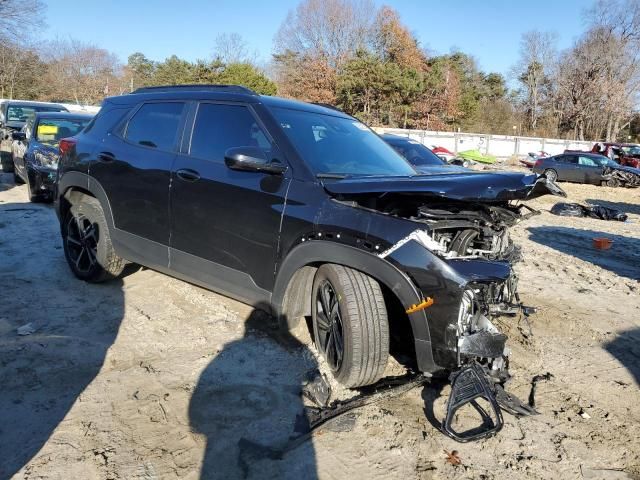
{"points": [[150, 377]]}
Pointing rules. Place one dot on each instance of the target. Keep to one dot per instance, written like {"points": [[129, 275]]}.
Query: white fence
{"points": [[502, 146]]}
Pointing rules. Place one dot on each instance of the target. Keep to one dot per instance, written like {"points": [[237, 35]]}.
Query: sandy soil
{"points": [[150, 377]]}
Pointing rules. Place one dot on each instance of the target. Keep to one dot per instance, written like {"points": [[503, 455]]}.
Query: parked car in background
{"points": [[626, 154], [13, 116], [36, 150], [583, 167], [422, 159]]}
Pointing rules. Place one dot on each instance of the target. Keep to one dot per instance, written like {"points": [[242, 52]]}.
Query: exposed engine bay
{"points": [[467, 230]]}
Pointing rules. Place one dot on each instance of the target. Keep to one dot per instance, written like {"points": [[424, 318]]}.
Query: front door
{"points": [[226, 223]]}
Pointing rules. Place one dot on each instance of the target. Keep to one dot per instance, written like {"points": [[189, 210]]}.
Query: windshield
{"points": [[417, 154], [21, 113], [632, 149], [51, 130], [340, 146]]}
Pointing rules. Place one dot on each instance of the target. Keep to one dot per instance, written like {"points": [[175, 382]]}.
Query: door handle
{"points": [[106, 157], [188, 175]]}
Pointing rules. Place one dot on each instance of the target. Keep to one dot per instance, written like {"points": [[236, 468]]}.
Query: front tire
{"points": [[350, 325], [87, 243]]}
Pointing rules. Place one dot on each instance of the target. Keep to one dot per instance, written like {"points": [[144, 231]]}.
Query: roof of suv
{"points": [[233, 93]]}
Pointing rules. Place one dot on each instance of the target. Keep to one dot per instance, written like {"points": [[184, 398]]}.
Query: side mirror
{"points": [[252, 159], [21, 136]]}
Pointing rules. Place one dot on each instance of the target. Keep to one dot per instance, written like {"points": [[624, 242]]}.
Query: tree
{"points": [[533, 71], [232, 48], [331, 30], [248, 76], [173, 71], [81, 73], [18, 17], [139, 71]]}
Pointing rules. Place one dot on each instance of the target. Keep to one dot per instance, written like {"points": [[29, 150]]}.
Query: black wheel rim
{"points": [[329, 327], [82, 243]]}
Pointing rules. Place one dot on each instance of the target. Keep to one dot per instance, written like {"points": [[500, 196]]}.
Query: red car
{"points": [[627, 154]]}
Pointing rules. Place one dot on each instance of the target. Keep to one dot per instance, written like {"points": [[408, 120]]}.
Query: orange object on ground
{"points": [[602, 243]]}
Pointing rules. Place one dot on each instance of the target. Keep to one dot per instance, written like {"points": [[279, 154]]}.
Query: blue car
{"points": [[422, 159], [35, 150]]}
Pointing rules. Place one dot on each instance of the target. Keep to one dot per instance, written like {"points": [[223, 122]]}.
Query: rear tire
{"points": [[350, 325], [551, 174], [87, 243], [34, 197]]}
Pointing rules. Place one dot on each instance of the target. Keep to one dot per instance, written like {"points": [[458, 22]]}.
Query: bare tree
{"points": [[19, 16], [329, 29], [81, 72], [533, 71], [232, 48]]}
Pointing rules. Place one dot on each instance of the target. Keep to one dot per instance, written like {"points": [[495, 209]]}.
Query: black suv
{"points": [[303, 208]]}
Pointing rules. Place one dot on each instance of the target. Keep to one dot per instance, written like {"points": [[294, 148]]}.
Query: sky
{"points": [[487, 29]]}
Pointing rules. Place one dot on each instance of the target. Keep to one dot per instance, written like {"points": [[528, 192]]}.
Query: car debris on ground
{"points": [[594, 211]]}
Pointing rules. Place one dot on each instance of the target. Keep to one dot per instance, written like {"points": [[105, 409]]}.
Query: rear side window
{"points": [[220, 127], [155, 125], [106, 119]]}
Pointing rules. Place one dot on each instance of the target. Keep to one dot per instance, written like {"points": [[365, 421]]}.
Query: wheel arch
{"points": [[291, 297], [73, 184]]}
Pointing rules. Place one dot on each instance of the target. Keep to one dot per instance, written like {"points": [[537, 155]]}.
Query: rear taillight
{"points": [[65, 145]]}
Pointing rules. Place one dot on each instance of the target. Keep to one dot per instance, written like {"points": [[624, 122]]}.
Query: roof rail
{"points": [[196, 87], [328, 105]]}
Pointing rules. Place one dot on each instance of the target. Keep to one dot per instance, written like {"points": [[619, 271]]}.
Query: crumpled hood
{"points": [[625, 168], [467, 186]]}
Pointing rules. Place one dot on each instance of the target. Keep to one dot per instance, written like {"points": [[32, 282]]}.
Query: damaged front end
{"points": [[459, 253], [623, 176]]}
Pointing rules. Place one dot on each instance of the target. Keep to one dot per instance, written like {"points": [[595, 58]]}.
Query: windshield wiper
{"points": [[331, 175]]}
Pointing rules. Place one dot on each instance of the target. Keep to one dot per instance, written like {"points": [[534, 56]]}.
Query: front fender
{"points": [[316, 252]]}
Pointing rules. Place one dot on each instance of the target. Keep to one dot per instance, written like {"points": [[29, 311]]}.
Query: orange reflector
{"points": [[427, 302]]}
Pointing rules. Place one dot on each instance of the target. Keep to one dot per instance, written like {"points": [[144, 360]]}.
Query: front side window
{"points": [[52, 130], [340, 146], [155, 125], [219, 127]]}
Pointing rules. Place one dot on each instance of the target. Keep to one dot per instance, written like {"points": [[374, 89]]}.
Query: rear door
{"points": [[226, 223], [133, 166]]}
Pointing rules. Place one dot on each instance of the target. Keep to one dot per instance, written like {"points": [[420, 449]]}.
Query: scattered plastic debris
{"points": [[594, 211]]}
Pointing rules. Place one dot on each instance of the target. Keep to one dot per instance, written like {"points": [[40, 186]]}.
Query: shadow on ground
{"points": [[248, 404], [626, 349], [45, 372], [630, 208], [623, 258]]}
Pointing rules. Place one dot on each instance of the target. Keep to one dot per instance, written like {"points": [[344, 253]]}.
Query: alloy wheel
{"points": [[330, 332], [82, 242]]}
